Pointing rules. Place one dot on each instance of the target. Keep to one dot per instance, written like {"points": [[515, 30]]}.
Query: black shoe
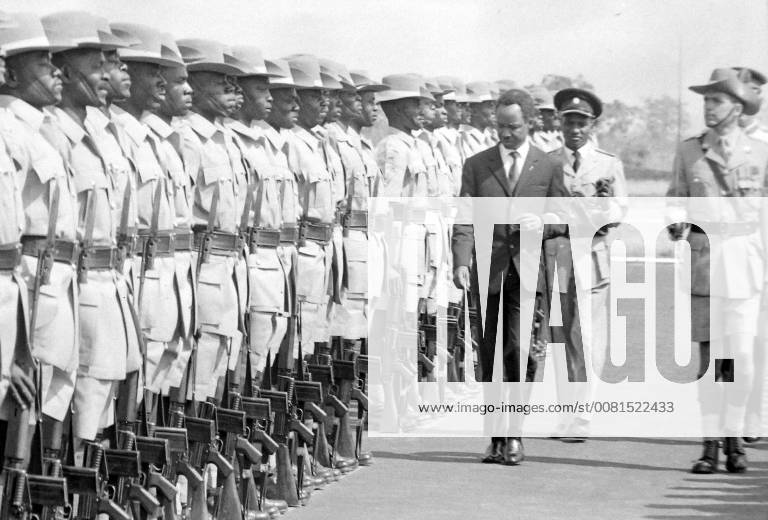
{"points": [[751, 440], [736, 457], [494, 454], [514, 453], [708, 462]]}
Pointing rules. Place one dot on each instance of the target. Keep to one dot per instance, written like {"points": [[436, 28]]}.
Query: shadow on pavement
{"points": [[721, 496]]}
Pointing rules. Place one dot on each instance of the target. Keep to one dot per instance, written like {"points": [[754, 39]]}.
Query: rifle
{"points": [[16, 498], [124, 471], [258, 414], [91, 486], [46, 492], [83, 261], [179, 466], [345, 373], [155, 461]]}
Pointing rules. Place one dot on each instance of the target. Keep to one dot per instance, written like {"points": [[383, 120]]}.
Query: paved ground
{"points": [[602, 478]]}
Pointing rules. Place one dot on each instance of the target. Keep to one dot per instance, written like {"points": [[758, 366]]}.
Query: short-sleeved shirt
{"points": [[307, 157], [403, 172]]}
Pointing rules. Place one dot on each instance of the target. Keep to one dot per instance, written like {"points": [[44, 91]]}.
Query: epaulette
{"points": [[598, 150], [698, 136]]}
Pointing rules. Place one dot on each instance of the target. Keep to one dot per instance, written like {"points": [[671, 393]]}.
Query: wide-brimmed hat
{"points": [[479, 92], [339, 73], [727, 81], [305, 70], [578, 101], [151, 45], [80, 28], [280, 73], [24, 32], [250, 60], [404, 86], [436, 88], [364, 82], [459, 93], [208, 56], [542, 97]]}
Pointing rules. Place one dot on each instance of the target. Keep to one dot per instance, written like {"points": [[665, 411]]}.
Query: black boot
{"points": [[736, 457], [708, 462]]}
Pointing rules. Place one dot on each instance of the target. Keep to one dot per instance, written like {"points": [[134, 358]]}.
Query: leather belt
{"points": [[64, 251], [10, 256], [165, 242], [289, 235], [100, 258], [222, 243], [356, 220], [185, 240], [263, 237], [316, 232], [727, 228]]}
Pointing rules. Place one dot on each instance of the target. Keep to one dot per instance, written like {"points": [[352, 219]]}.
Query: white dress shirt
{"points": [[507, 159]]}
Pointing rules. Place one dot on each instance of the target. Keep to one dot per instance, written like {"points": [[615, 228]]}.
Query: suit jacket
{"points": [[484, 176]]}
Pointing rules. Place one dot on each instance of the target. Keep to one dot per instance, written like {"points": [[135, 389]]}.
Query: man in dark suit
{"points": [[513, 168]]}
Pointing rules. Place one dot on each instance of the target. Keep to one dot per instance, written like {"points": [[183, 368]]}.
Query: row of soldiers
{"points": [[184, 262]]}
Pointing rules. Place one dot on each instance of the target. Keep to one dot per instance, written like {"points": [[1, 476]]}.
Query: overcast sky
{"points": [[628, 49]]}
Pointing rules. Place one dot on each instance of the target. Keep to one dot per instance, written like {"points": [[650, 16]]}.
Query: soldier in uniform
{"points": [[403, 172], [587, 172], [449, 136], [164, 314], [16, 364], [206, 153], [477, 133], [108, 340], [546, 137], [50, 208], [724, 161], [158, 118], [308, 155], [267, 269], [751, 124]]}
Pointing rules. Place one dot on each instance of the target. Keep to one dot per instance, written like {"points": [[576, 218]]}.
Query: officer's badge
{"points": [[576, 101]]}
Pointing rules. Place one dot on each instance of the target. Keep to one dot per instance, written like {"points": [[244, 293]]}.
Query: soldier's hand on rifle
{"points": [[461, 277], [22, 387]]}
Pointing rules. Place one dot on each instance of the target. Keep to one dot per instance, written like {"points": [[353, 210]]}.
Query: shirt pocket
{"points": [[356, 265], [212, 174], [267, 281], [312, 282], [210, 295]]}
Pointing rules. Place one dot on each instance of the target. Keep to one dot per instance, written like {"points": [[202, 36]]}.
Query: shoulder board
{"points": [[698, 136], [598, 150]]}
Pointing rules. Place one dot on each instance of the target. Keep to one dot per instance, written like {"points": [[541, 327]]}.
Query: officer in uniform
{"points": [[163, 313], [50, 207], [724, 161], [108, 340], [587, 172], [546, 137], [17, 386], [477, 133], [207, 162]]}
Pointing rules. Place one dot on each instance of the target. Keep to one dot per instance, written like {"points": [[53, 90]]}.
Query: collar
{"points": [[200, 125], [74, 132], [97, 118], [135, 130], [275, 137], [251, 132], [523, 150], [24, 111], [160, 127], [338, 132], [471, 130], [584, 151], [403, 136], [307, 137]]}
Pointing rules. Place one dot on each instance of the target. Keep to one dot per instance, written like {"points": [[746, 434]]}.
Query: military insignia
{"points": [[576, 101]]}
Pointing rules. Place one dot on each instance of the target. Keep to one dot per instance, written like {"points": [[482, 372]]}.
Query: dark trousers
{"points": [[510, 329]]}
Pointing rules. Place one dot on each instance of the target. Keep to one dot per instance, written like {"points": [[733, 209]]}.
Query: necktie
{"points": [[576, 160], [512, 175]]}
